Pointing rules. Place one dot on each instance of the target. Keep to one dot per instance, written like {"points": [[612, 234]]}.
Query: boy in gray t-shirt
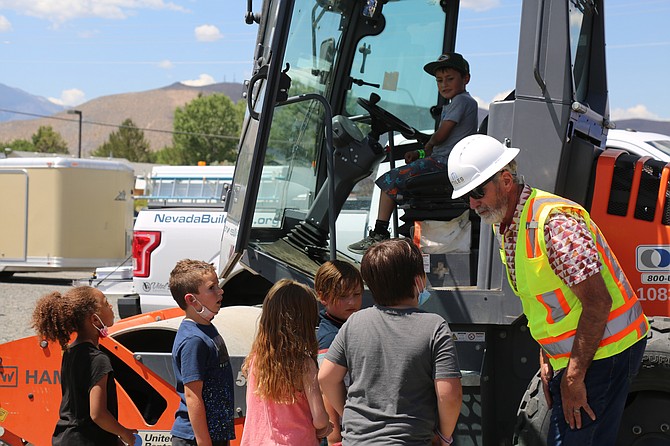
{"points": [[405, 379], [459, 119]]}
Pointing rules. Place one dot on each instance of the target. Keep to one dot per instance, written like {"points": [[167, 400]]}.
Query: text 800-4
{"points": [[656, 278]]}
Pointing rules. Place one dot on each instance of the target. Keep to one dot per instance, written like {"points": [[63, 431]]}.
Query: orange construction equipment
{"points": [[31, 391]]}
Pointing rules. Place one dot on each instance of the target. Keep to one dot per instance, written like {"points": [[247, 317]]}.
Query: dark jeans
{"points": [[176, 441], [607, 383]]}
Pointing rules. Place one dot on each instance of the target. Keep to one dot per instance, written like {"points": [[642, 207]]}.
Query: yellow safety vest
{"points": [[552, 309]]}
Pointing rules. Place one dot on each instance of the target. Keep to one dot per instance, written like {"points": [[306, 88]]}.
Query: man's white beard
{"points": [[494, 217], [496, 213]]}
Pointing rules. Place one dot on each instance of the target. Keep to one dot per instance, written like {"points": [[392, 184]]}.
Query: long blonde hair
{"points": [[286, 337]]}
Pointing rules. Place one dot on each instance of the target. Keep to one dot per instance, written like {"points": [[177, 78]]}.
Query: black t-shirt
{"points": [[83, 365]]}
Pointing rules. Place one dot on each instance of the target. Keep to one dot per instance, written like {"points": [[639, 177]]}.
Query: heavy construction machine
{"points": [[337, 93], [338, 89]]}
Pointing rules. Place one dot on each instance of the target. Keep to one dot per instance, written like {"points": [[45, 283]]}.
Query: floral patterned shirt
{"points": [[571, 250]]}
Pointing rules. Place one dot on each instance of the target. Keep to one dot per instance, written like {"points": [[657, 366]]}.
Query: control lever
{"points": [[361, 82]]}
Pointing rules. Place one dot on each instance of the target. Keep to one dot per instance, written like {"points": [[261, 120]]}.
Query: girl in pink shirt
{"points": [[284, 403]]}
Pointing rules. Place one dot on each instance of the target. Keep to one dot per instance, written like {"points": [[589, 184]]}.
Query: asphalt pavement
{"points": [[19, 292]]}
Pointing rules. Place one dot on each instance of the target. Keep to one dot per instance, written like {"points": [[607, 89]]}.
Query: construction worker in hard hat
{"points": [[581, 308]]}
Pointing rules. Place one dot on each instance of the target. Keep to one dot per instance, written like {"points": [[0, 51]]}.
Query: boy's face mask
{"points": [[424, 294], [104, 331], [204, 312]]}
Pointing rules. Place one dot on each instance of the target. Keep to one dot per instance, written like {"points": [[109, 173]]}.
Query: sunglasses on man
{"points": [[478, 192]]}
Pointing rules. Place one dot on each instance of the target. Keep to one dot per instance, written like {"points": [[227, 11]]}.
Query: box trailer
{"points": [[64, 214]]}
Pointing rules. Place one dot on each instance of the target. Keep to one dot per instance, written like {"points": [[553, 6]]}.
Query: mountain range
{"points": [[14, 99], [151, 110]]}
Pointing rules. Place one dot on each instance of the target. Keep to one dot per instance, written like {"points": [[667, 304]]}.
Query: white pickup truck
{"points": [[183, 218]]}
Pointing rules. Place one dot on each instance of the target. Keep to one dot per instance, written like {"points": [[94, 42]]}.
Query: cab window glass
{"points": [[394, 61], [581, 19]]}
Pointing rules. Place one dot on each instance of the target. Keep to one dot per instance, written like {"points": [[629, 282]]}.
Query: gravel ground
{"points": [[19, 293]]}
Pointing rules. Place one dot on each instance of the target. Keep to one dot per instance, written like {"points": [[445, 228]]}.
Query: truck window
{"points": [[288, 181], [581, 20], [289, 174]]}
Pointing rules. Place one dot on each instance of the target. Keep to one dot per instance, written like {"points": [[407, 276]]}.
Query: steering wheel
{"points": [[383, 121]]}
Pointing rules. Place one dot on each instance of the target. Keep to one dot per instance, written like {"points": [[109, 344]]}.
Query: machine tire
{"points": [[532, 423], [646, 419]]}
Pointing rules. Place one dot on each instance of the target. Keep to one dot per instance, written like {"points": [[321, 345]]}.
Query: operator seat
{"points": [[428, 197]]}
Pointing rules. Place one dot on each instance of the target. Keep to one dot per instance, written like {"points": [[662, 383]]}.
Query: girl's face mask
{"points": [[104, 331]]}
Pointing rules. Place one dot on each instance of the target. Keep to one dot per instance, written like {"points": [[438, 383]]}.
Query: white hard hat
{"points": [[475, 159]]}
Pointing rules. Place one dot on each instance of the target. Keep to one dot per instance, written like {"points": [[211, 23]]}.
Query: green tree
{"points": [[208, 129], [128, 142], [170, 155], [46, 140], [21, 145]]}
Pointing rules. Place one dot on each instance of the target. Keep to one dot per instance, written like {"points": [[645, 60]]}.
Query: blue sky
{"points": [[72, 51]]}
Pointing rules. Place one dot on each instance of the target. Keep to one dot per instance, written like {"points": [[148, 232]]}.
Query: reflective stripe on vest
{"points": [[616, 328], [553, 310]]}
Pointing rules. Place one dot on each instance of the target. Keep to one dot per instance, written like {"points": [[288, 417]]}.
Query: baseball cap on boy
{"points": [[448, 60]]}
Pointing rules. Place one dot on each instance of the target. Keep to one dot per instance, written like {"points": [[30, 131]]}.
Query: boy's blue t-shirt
{"points": [[328, 328], [325, 333], [200, 354]]}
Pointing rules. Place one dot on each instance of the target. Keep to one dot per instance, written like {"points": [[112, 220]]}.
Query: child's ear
{"points": [[189, 299], [319, 296]]}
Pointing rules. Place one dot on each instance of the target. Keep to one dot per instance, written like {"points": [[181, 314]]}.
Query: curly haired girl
{"points": [[88, 410], [284, 403]]}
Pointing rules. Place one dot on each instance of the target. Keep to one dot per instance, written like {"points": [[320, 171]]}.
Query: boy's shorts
{"points": [[394, 182]]}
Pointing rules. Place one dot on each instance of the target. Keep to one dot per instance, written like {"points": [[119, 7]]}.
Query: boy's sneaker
{"points": [[371, 239]]}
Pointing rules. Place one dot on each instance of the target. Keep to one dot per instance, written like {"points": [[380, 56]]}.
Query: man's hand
{"points": [[596, 305], [573, 394]]}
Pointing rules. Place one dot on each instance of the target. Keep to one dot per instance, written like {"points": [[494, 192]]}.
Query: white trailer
{"points": [[61, 214]]}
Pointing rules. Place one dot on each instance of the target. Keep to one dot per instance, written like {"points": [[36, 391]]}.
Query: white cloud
{"points": [[70, 97], [204, 79], [5, 25], [481, 103], [638, 111], [480, 5], [485, 104], [165, 64], [207, 33], [58, 12]]}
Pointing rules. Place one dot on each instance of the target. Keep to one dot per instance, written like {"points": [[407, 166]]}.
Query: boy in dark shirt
{"points": [[339, 287]]}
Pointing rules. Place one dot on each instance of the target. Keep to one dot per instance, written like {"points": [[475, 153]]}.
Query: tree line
{"points": [[206, 129]]}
